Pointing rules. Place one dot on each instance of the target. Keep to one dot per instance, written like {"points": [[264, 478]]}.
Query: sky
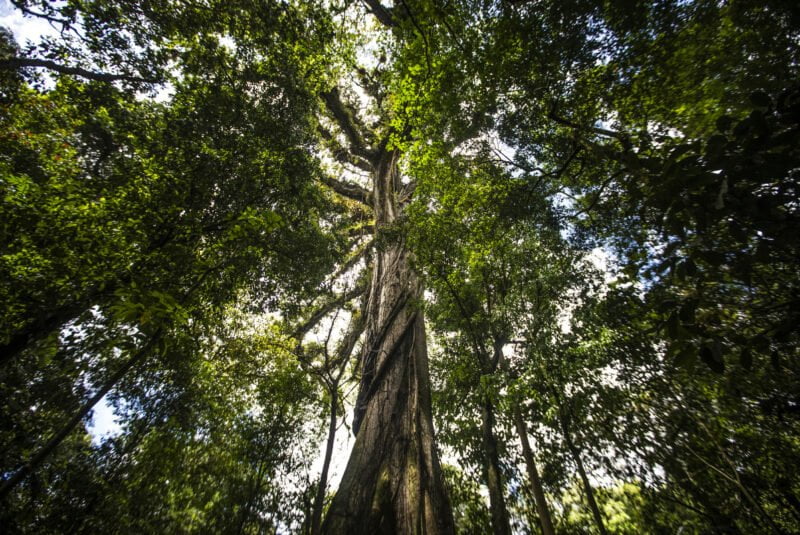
{"points": [[24, 28]]}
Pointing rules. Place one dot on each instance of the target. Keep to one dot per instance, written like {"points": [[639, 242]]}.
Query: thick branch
{"points": [[325, 309], [382, 13], [347, 122], [351, 191], [16, 63], [342, 155], [599, 131], [344, 350]]}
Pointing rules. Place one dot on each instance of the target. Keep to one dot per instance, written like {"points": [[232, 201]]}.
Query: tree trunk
{"points": [[587, 486], [393, 482], [533, 474], [319, 500], [494, 479], [253, 494]]}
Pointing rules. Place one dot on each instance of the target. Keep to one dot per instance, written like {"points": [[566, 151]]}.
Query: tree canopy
{"points": [[535, 262]]}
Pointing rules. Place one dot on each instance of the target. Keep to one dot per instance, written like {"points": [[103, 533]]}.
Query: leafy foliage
{"points": [[600, 200]]}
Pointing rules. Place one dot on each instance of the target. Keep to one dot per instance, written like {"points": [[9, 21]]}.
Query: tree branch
{"points": [[325, 309], [56, 20], [348, 342], [16, 63], [353, 260], [347, 122], [381, 12], [346, 189], [421, 34], [342, 155], [369, 85], [623, 138]]}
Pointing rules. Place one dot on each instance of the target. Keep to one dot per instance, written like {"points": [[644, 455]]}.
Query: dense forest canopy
{"points": [[535, 263]]}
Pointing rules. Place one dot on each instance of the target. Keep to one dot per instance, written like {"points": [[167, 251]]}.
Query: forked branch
{"points": [[326, 308], [342, 155], [347, 122]]}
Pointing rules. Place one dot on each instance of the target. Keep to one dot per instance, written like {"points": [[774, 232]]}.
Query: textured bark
{"points": [[545, 520], [393, 482], [494, 478]]}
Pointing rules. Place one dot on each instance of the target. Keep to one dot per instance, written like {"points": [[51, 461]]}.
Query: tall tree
{"points": [[178, 258]]}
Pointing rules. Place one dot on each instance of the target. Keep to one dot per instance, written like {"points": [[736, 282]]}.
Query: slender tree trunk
{"points": [[29, 467], [587, 487], [319, 500], [533, 475], [393, 482], [253, 494], [494, 479]]}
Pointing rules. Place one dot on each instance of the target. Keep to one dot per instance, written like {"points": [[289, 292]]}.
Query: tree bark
{"points": [[319, 499], [545, 520], [494, 478], [393, 481]]}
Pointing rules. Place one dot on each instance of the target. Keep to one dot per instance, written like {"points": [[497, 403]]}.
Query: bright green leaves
{"points": [[60, 228], [148, 308], [130, 224], [229, 429]]}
